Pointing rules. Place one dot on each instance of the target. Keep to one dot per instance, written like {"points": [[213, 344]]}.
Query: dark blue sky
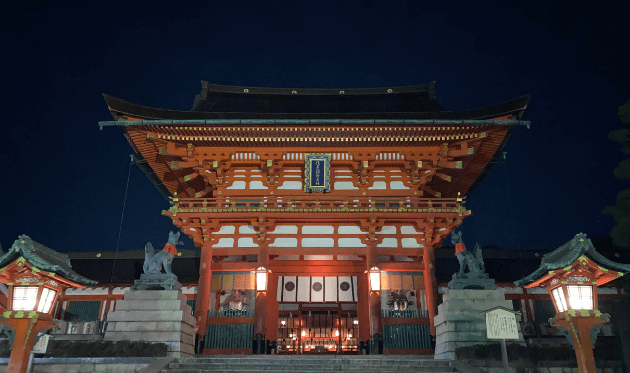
{"points": [[63, 180]]}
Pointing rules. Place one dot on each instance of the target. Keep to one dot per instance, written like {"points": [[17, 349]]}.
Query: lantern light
{"points": [[375, 279], [261, 279], [336, 333], [559, 300], [355, 322], [303, 333], [283, 323], [580, 297]]}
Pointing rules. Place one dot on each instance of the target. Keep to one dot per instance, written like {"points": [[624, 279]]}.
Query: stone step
{"points": [[317, 360], [272, 369], [324, 367]]}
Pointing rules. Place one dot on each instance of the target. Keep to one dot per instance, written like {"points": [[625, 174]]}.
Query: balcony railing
{"points": [[330, 204]]}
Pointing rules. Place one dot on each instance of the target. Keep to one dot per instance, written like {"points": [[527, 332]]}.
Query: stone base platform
{"points": [[154, 316], [460, 323]]}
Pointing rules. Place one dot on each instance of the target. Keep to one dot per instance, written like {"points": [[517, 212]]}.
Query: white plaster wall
{"points": [[318, 242], [388, 242], [284, 242], [256, 184], [226, 229], [378, 185], [237, 184], [290, 184], [246, 242], [246, 229], [350, 229], [225, 242], [387, 229], [318, 229], [410, 242], [350, 242], [344, 185], [285, 229]]}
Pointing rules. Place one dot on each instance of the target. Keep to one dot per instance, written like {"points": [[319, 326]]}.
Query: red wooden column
{"points": [[272, 308], [430, 285], [26, 325], [203, 289], [363, 306], [260, 306], [374, 297]]}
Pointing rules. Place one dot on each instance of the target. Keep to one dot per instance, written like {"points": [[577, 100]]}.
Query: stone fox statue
{"points": [[153, 262], [474, 262]]}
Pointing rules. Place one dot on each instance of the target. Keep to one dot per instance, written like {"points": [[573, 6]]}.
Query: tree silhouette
{"points": [[621, 211]]}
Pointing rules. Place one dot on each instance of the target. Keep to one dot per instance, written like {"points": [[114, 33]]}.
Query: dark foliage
{"points": [[97, 349]]}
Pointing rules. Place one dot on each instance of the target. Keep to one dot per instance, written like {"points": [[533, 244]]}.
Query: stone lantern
{"points": [[35, 276], [571, 274]]}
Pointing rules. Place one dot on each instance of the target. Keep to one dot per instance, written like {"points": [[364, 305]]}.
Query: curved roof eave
{"points": [[569, 253], [43, 258], [120, 108]]}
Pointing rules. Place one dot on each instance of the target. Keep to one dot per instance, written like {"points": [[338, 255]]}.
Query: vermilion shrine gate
{"points": [[387, 182]]}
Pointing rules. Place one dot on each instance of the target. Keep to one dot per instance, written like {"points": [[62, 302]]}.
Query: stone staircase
{"points": [[308, 364]]}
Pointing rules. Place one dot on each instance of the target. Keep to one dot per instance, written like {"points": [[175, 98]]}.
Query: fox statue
{"points": [[472, 260], [153, 262]]}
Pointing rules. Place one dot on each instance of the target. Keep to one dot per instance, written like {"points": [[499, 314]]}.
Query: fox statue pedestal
{"points": [[155, 309], [154, 316], [460, 321]]}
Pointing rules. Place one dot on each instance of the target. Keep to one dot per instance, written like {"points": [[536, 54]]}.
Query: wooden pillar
{"points": [[260, 305], [374, 306], [580, 327], [25, 331], [273, 308], [202, 303], [430, 285], [363, 305]]}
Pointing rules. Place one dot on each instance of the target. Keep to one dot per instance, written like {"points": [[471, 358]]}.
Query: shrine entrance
{"points": [[318, 331]]}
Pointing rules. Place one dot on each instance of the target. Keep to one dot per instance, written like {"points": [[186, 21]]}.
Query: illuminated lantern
{"points": [[375, 279], [35, 276], [261, 279], [571, 274]]}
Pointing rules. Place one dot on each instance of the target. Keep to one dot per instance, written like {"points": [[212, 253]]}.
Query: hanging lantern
{"points": [[375, 278], [261, 279]]}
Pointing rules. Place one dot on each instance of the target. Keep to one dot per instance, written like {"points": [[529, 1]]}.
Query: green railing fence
{"points": [[230, 336], [406, 336]]}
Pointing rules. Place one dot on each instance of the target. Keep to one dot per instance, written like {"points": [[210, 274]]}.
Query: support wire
{"points": [[122, 216]]}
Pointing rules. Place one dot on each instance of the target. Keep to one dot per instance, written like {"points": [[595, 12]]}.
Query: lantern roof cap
{"points": [[44, 258], [569, 253]]}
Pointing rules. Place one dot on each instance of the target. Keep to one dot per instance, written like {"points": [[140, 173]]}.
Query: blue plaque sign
{"points": [[317, 173]]}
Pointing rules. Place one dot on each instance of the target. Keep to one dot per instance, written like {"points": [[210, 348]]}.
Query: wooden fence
{"points": [[406, 337], [231, 336]]}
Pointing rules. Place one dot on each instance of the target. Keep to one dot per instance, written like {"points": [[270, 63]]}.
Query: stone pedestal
{"points": [[459, 321], [154, 316], [156, 281]]}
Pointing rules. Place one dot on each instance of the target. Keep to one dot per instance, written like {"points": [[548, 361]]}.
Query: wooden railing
{"points": [[406, 314], [315, 203], [230, 314]]}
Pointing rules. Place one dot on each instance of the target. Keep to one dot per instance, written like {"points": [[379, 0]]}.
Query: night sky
{"points": [[64, 181]]}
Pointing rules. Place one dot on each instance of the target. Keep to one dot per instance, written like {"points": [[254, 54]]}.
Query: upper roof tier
{"points": [[231, 102]]}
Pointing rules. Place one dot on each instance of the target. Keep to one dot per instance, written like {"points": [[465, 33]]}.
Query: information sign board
{"points": [[501, 324], [41, 345]]}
